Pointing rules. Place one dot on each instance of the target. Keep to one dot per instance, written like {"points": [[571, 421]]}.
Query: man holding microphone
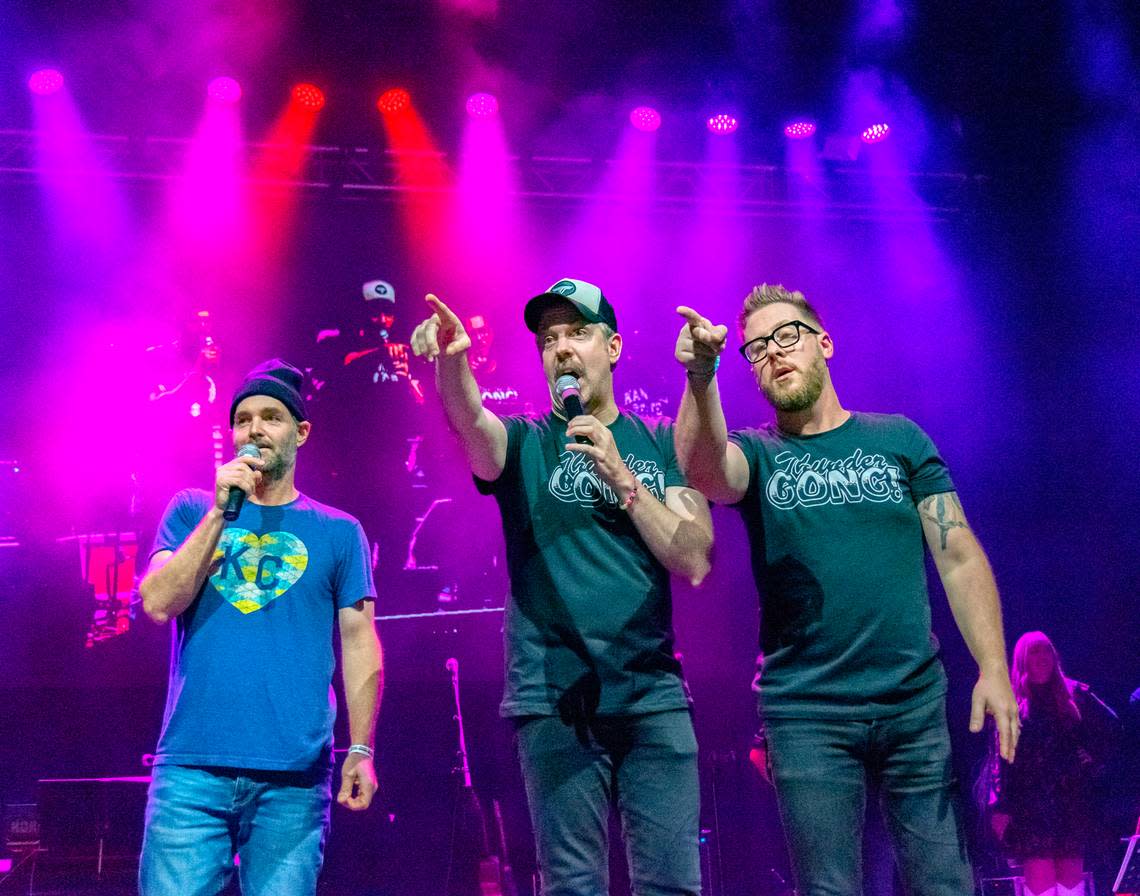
{"points": [[596, 516], [252, 576]]}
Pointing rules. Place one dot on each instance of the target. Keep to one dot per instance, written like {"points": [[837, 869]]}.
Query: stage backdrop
{"points": [[1002, 332]]}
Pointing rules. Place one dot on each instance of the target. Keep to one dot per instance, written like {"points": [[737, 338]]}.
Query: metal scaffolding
{"points": [[846, 191]]}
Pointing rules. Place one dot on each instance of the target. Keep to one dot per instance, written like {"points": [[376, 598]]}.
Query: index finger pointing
{"points": [[440, 308], [694, 319]]}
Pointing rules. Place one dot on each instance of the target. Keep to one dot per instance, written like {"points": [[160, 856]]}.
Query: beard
{"points": [[803, 397], [280, 460]]}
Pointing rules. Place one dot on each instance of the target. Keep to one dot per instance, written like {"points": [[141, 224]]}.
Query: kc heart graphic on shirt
{"points": [[251, 571]]}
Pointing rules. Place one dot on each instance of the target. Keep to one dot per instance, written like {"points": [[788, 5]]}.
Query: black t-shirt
{"points": [[589, 626], [838, 558]]}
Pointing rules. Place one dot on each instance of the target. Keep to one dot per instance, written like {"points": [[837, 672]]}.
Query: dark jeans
{"points": [[820, 770], [647, 764]]}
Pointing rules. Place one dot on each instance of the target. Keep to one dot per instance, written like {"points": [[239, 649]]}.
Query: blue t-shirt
{"points": [[251, 662], [838, 557]]}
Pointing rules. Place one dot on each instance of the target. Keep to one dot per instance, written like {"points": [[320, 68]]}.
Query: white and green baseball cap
{"points": [[586, 297]]}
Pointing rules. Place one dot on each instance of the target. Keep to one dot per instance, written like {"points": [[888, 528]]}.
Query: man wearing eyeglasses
{"points": [[836, 505]]}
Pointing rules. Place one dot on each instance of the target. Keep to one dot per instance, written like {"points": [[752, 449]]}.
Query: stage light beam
{"points": [[645, 118], [723, 123], [308, 97], [45, 82], [482, 105], [394, 100], [799, 130], [224, 90], [876, 133]]}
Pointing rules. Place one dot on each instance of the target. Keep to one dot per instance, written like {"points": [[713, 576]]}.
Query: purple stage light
{"points": [[309, 96], [799, 130], [394, 100], [876, 133], [482, 105], [645, 118], [723, 123], [45, 81], [224, 90]]}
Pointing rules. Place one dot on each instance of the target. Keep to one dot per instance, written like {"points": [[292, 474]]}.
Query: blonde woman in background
{"points": [[1042, 805]]}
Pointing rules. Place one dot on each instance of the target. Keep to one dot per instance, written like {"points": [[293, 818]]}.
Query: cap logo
{"points": [[564, 288], [379, 289]]}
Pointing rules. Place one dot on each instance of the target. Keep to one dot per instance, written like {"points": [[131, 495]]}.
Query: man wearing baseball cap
{"points": [[596, 516], [244, 762]]}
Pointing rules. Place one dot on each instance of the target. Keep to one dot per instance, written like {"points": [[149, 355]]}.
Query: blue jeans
{"points": [[647, 764], [820, 771], [199, 819]]}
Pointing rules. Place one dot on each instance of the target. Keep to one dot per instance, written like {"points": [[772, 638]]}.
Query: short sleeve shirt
{"points": [[838, 555], [252, 658], [589, 623]]}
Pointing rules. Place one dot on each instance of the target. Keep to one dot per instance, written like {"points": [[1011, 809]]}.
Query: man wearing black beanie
{"points": [[244, 763]]}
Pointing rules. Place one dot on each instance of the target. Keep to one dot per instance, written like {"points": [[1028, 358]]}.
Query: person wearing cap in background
{"points": [[244, 762], [596, 516]]}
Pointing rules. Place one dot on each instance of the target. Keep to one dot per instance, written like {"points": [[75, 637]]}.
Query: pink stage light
{"points": [[876, 133], [395, 100], [799, 130], [645, 118], [224, 90], [45, 81], [482, 105], [723, 123], [309, 96]]}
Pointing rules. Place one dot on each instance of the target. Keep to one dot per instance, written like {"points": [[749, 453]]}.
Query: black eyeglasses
{"points": [[785, 336]]}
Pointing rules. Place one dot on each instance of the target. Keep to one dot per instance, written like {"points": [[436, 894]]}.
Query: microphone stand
{"points": [[452, 666], [493, 873]]}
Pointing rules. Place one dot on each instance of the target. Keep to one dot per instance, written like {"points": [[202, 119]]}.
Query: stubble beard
{"points": [[280, 461]]}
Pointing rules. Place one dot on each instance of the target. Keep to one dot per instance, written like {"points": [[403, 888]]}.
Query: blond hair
{"points": [[1058, 690], [773, 294]]}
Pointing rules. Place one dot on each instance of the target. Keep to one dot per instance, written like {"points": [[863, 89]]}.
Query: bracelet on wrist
{"points": [[704, 375], [362, 749], [629, 499]]}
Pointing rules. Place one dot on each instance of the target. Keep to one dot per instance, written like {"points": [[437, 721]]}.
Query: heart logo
{"points": [[252, 571]]}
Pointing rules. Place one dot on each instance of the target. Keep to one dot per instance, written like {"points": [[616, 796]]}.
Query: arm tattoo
{"points": [[934, 509]]}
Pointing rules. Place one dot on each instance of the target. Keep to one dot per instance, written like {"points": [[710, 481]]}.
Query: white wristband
{"points": [[362, 749]]}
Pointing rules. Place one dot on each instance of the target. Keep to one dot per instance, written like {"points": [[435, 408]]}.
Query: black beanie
{"points": [[275, 378]]}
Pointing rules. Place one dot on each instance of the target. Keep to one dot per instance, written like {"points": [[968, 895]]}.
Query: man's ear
{"points": [[614, 348], [826, 346], [304, 427]]}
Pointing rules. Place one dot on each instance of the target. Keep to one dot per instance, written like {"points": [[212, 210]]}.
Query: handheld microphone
{"points": [[567, 388], [237, 497]]}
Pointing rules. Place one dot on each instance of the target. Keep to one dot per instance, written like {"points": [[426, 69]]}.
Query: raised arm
{"points": [[711, 462], [174, 578], [442, 339], [970, 587], [362, 667]]}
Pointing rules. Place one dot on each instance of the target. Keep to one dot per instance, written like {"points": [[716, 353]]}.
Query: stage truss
{"points": [[842, 191]]}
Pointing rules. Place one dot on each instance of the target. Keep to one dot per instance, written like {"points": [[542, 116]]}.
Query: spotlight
{"points": [[645, 118], [45, 81], [482, 105], [224, 90], [395, 100], [723, 123], [799, 130], [309, 96], [876, 133]]}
